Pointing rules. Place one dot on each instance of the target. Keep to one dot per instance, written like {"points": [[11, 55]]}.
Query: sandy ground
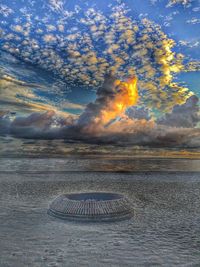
{"points": [[165, 230]]}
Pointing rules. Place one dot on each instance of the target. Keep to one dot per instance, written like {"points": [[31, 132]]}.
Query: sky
{"points": [[107, 72]]}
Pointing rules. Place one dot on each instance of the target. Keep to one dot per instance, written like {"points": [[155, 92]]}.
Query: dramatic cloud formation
{"points": [[69, 49], [113, 98], [93, 126], [84, 44]]}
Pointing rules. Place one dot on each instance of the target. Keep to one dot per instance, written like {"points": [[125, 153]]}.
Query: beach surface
{"points": [[165, 229]]}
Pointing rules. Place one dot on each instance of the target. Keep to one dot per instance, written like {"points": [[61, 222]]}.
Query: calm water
{"points": [[165, 230]]}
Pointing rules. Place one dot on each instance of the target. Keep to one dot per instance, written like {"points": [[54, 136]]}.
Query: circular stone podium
{"points": [[91, 207]]}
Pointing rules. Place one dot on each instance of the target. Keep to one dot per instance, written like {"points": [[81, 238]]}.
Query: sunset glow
{"points": [[126, 96]]}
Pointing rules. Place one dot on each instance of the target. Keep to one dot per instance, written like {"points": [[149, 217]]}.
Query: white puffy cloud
{"points": [[185, 3], [193, 21]]}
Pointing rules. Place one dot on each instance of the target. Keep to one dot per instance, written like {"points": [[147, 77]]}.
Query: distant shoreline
{"points": [[98, 164]]}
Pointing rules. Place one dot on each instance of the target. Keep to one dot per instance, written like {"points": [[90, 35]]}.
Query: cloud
{"points": [[5, 10], [4, 123], [112, 100], [190, 44], [70, 105], [143, 134], [193, 21], [20, 96], [99, 43], [176, 129], [185, 3], [138, 113], [186, 115], [46, 125]]}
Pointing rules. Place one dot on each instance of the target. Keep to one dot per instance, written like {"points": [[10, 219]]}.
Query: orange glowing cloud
{"points": [[126, 95], [113, 98]]}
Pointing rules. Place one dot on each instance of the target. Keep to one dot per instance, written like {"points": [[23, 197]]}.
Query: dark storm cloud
{"points": [[156, 137], [186, 115], [48, 126], [45, 125]]}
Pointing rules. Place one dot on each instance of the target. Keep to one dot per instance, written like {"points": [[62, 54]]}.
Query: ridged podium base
{"points": [[91, 207]]}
